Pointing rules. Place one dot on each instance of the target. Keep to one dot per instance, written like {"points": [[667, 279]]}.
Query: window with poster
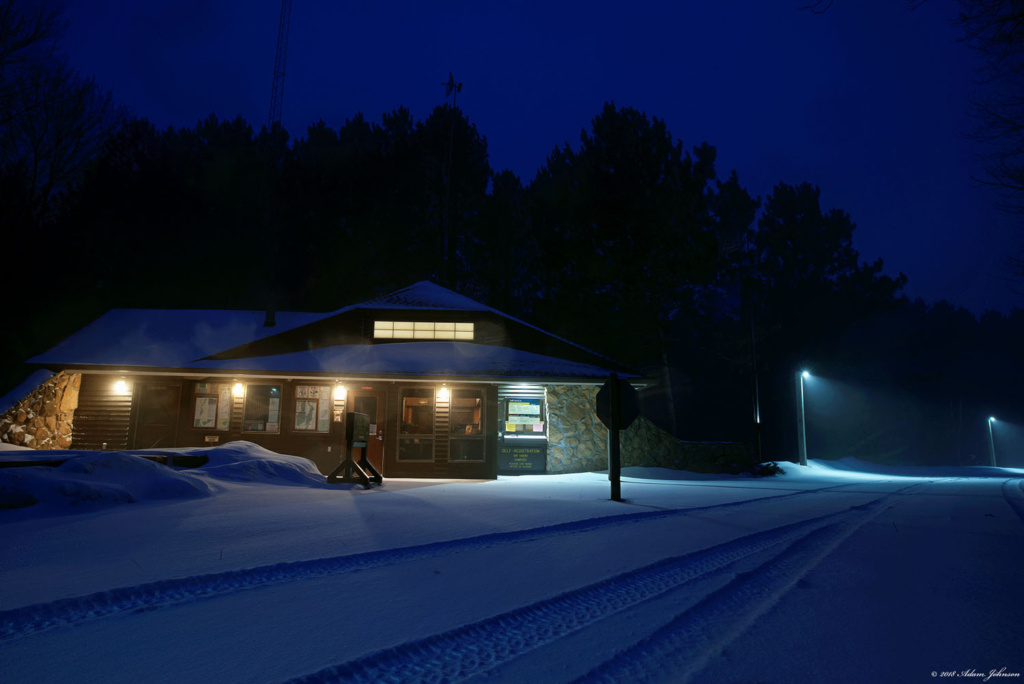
{"points": [[262, 411], [313, 408], [467, 440], [212, 408], [524, 417]]}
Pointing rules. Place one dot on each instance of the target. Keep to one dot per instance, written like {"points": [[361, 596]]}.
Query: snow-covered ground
{"points": [[251, 568]]}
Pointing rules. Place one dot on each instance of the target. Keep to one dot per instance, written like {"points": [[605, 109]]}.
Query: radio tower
{"points": [[277, 93]]}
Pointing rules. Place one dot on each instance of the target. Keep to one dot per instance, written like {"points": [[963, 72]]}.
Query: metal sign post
{"points": [[614, 457], [617, 406]]}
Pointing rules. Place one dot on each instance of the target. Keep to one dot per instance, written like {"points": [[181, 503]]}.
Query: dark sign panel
{"points": [[357, 429], [515, 458], [629, 404]]}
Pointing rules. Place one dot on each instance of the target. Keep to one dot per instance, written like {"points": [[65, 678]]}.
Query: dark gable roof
{"points": [[423, 295], [329, 342]]}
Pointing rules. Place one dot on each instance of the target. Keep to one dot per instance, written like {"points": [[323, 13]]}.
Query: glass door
{"points": [[372, 403]]}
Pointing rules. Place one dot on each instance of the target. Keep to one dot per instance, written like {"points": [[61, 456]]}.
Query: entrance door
{"points": [[156, 419], [374, 404]]}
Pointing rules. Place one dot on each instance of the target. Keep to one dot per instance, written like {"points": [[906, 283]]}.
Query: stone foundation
{"points": [[578, 441], [44, 418]]}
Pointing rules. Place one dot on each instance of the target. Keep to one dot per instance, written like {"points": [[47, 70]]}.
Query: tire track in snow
{"points": [[475, 648], [27, 620], [679, 650], [1013, 492]]}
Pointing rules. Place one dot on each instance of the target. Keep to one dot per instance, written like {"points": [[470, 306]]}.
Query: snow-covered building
{"points": [[453, 388]]}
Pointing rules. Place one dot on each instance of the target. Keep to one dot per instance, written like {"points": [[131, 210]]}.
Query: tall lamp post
{"points": [[801, 419], [991, 441]]}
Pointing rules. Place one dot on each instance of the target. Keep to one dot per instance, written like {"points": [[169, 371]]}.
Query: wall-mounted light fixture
{"points": [[339, 392], [121, 387], [442, 394], [238, 391]]}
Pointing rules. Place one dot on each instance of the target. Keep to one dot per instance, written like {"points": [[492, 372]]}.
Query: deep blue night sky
{"points": [[867, 101]]}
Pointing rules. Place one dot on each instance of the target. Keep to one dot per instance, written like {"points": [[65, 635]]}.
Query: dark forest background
{"points": [[627, 242]]}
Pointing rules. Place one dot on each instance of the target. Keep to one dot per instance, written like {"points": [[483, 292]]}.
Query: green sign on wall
{"points": [[522, 459]]}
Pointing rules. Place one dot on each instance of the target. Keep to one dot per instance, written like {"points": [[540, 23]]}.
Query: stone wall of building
{"points": [[44, 418], [578, 441], [645, 444]]}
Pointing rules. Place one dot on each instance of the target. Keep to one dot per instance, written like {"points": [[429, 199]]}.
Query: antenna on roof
{"points": [[450, 88]]}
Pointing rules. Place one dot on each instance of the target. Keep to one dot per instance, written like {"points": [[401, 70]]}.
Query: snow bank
{"points": [[94, 480], [856, 465], [88, 480], [248, 462]]}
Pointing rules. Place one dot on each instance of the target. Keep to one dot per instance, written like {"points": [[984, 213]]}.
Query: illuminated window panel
{"points": [[422, 330]]}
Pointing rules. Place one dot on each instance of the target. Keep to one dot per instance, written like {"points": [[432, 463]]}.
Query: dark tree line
{"points": [[627, 242]]}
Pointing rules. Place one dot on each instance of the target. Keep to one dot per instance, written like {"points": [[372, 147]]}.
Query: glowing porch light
{"points": [[339, 392], [238, 391], [442, 394], [121, 387]]}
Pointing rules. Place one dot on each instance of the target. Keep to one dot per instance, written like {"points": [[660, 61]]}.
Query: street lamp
{"points": [[801, 419], [991, 441]]}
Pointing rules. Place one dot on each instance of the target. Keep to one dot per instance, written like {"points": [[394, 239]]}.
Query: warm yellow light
{"points": [[121, 387], [339, 392], [442, 394], [238, 390]]}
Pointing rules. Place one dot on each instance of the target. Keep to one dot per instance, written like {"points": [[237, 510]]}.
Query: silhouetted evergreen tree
{"points": [[625, 232]]}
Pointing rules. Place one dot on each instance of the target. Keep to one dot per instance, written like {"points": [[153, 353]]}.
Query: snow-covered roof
{"points": [[434, 358], [185, 338], [170, 338]]}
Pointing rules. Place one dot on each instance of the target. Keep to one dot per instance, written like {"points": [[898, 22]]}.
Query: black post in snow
{"points": [[614, 461]]}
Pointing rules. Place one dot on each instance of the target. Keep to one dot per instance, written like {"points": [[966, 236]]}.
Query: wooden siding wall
{"points": [[442, 422], [103, 416]]}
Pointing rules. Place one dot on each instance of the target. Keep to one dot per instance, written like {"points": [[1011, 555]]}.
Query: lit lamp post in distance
{"points": [[991, 441], [801, 417]]}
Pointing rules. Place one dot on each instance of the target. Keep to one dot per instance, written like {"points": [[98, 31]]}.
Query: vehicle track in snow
{"points": [[34, 618], [680, 649], [1013, 492], [789, 551]]}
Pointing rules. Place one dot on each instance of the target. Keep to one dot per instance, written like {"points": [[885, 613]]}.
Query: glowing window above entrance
{"points": [[422, 330]]}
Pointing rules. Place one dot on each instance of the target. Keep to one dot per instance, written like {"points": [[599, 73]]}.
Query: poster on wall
{"points": [[305, 414], [206, 413], [524, 415], [224, 408], [324, 418]]}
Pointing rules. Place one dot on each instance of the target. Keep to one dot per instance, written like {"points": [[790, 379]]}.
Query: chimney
{"points": [[269, 322]]}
